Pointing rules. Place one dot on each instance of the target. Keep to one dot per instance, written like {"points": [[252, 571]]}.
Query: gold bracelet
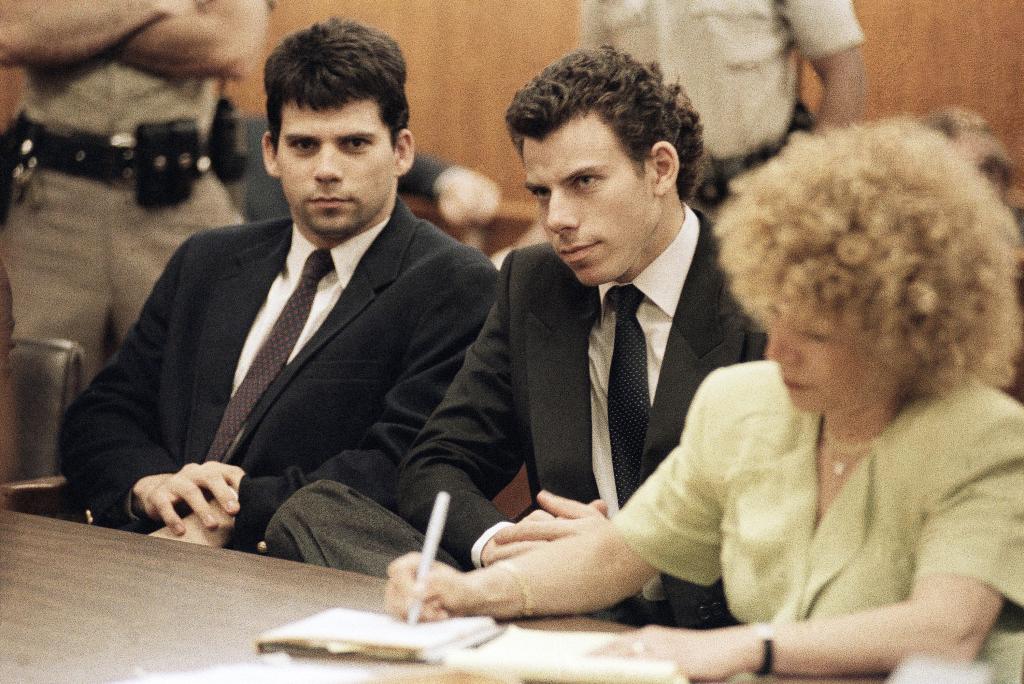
{"points": [[200, 4], [524, 586]]}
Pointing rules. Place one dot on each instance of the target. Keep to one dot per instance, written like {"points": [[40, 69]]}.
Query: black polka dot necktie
{"points": [[272, 356], [628, 397]]}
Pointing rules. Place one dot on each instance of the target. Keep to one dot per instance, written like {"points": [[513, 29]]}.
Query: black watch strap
{"points": [[766, 633]]}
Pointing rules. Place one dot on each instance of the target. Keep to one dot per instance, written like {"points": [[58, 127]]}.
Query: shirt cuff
{"points": [[478, 547], [128, 501]]}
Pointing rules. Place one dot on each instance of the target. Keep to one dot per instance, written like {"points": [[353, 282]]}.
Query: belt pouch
{"points": [[227, 145], [166, 155], [8, 158], [11, 157]]}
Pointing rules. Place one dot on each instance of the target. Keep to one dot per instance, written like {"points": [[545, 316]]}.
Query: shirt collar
{"points": [[662, 280], [345, 256]]}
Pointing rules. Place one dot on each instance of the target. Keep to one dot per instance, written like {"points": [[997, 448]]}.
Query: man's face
{"points": [[604, 214], [338, 169]]}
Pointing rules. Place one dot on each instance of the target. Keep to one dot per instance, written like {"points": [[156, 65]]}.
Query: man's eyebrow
{"points": [[588, 170], [585, 170], [356, 134]]}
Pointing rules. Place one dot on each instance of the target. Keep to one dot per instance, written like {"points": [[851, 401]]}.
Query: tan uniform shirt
{"points": [[83, 255], [731, 56], [106, 97]]}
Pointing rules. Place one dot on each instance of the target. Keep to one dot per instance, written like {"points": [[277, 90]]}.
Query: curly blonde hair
{"points": [[885, 231]]}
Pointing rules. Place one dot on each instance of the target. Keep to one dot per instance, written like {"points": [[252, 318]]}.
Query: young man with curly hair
{"points": [[859, 492], [589, 359]]}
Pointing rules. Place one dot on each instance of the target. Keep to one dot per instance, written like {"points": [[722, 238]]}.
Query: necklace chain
{"points": [[851, 452]]}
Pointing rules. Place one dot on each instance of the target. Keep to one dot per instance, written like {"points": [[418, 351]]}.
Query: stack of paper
{"points": [[340, 630]]}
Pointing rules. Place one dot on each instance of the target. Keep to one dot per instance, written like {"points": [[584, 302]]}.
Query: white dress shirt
{"points": [[662, 285], [345, 256]]}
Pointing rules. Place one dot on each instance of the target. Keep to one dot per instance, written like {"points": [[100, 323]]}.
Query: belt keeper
{"points": [[125, 144]]}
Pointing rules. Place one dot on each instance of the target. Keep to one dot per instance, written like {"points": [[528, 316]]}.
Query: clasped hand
{"points": [[198, 486], [556, 518]]}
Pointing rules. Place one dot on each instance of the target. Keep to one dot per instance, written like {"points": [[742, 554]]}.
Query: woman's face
{"points": [[823, 369]]}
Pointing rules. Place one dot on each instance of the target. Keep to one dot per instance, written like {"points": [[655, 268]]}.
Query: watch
{"points": [[766, 633]]}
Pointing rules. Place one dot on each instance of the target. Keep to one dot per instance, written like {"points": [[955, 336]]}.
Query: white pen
{"points": [[430, 543]]}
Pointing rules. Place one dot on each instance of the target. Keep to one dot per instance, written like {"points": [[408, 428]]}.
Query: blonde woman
{"points": [[860, 493]]}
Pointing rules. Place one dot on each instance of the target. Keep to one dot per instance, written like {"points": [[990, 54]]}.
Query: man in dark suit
{"points": [[583, 382], [275, 354]]}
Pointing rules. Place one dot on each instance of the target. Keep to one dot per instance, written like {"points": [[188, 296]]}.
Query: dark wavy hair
{"points": [[629, 96], [333, 63]]}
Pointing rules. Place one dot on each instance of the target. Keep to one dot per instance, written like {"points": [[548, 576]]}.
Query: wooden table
{"points": [[87, 604]]}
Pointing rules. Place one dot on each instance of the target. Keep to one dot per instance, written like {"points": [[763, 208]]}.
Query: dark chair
{"points": [[47, 376]]}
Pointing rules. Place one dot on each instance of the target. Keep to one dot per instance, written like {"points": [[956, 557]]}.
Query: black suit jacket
{"points": [[346, 408], [523, 394]]}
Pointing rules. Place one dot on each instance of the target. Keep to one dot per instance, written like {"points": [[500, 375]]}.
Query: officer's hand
{"points": [[466, 198]]}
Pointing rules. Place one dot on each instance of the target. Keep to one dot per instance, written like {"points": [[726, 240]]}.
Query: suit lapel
{"points": [[693, 350], [558, 373], [378, 268], [234, 302], [841, 532]]}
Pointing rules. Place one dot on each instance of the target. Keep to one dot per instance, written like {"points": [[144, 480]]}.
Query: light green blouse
{"points": [[941, 491]]}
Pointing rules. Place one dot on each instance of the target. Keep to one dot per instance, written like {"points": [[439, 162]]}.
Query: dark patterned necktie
{"points": [[272, 356], [628, 398]]}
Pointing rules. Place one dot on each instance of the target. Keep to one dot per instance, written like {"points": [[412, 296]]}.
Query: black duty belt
{"points": [[161, 161], [107, 159], [714, 186], [111, 159]]}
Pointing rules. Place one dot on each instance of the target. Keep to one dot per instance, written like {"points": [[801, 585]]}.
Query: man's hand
{"points": [[196, 533], [156, 496], [557, 517]]}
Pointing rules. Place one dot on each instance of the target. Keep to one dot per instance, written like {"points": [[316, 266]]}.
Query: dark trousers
{"points": [[329, 524]]}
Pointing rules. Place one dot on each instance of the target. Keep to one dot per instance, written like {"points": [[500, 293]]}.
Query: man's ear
{"points": [[663, 163], [270, 156], [405, 151]]}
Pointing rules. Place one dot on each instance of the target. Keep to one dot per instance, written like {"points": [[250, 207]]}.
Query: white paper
{"points": [[560, 657], [341, 625]]}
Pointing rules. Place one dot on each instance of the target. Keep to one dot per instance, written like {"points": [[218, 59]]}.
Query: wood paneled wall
{"points": [[467, 57], [926, 54]]}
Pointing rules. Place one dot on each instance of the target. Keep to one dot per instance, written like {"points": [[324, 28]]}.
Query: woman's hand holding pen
{"points": [[446, 592]]}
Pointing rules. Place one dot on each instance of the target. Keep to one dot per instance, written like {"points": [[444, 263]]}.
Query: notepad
{"points": [[555, 656], [342, 631]]}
